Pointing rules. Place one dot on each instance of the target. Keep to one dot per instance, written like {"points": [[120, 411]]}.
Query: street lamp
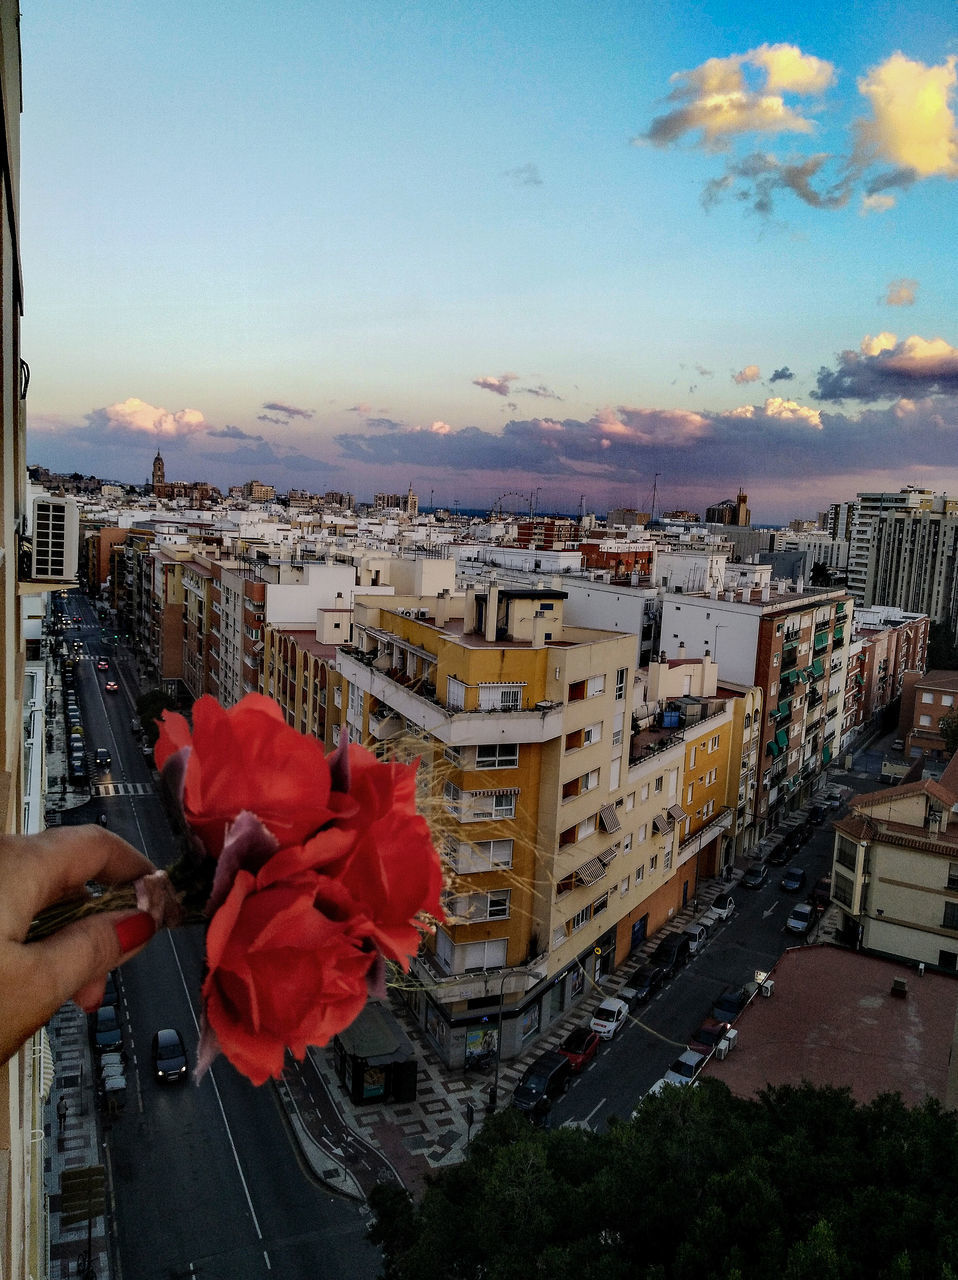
{"points": [[508, 973]]}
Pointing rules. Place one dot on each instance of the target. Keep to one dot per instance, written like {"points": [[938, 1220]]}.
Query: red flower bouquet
{"points": [[321, 870]]}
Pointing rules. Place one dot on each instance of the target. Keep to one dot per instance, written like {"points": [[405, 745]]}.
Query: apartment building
{"points": [[895, 870], [562, 827], [26, 1079], [926, 698], [916, 560], [892, 642], [866, 519], [792, 645]]}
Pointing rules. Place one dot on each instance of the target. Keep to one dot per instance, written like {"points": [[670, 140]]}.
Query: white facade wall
{"points": [[727, 629]]}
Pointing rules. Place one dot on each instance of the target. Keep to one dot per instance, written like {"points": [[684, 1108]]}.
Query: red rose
{"points": [[285, 970], [247, 758]]}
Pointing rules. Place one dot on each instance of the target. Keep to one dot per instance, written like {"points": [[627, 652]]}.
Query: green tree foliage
{"points": [[799, 1183], [149, 707], [948, 728], [942, 653]]}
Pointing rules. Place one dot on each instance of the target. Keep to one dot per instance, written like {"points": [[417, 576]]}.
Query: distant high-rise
{"points": [[730, 511]]}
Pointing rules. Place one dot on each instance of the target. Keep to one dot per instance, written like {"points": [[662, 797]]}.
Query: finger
{"points": [[56, 864]]}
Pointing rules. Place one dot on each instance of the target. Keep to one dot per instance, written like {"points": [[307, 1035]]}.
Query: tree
{"points": [[948, 728], [820, 575], [942, 653], [149, 707], [801, 1183]]}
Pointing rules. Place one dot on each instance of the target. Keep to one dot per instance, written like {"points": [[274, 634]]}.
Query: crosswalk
{"points": [[123, 789]]}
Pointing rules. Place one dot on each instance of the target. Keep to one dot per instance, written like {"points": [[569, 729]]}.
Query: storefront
{"points": [[375, 1060]]}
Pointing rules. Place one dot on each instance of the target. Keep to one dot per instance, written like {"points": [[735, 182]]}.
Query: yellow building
{"points": [[556, 820]]}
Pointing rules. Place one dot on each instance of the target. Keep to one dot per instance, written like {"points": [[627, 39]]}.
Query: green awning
{"points": [[782, 739], [860, 678], [772, 748], [839, 632], [817, 669], [826, 754], [821, 640]]}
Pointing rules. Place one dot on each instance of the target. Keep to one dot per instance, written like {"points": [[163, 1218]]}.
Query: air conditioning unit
{"points": [[767, 987], [55, 532], [405, 613], [422, 613], [721, 1050]]}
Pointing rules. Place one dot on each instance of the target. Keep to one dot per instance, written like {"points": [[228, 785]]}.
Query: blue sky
{"points": [[498, 248]]}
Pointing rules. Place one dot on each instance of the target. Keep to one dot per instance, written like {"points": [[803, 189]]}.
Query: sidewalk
{"points": [[351, 1148]]}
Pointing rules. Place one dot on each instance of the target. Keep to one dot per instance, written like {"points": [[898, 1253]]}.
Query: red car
{"points": [[710, 1034], [580, 1047]]}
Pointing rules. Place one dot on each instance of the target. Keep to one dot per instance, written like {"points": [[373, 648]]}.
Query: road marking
{"points": [[773, 907], [596, 1108]]}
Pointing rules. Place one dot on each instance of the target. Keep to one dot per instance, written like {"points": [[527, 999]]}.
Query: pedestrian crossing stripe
{"points": [[123, 789]]}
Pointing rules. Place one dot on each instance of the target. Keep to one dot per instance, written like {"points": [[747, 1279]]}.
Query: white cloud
{"points": [[750, 373], [901, 293], [913, 125], [140, 418]]}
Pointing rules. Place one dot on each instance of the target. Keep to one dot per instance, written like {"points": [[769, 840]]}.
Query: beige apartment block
{"points": [[560, 825], [895, 870]]}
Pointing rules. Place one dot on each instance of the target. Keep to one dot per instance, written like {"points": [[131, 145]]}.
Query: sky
{"points": [[525, 255]]}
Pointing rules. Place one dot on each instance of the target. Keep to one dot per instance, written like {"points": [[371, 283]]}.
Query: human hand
{"points": [[36, 978]]}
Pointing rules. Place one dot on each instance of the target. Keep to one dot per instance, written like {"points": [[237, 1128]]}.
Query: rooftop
{"points": [[834, 1020]]}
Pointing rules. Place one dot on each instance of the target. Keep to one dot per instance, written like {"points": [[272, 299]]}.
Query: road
{"points": [[640, 1053], [206, 1179]]}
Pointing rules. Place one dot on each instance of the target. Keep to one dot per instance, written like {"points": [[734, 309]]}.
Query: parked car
{"points": [[709, 1035], [544, 1081], [801, 919], [102, 758], [723, 906], [111, 995], [671, 953], [610, 1015], [821, 895], [816, 815], [697, 935], [793, 880], [169, 1056], [643, 984], [755, 876], [732, 1001], [580, 1046], [780, 854], [107, 1034], [685, 1068]]}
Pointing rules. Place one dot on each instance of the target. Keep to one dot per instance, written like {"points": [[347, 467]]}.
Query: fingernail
{"points": [[133, 931]]}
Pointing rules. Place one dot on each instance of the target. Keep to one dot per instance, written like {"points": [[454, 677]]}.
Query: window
{"points": [[579, 919], [627, 843], [620, 678], [592, 733], [472, 907], [595, 686], [623, 887], [952, 875], [476, 956], [714, 743], [590, 780], [504, 805], [645, 791], [658, 783], [711, 776], [615, 773], [643, 832], [924, 721], [484, 855], [640, 874], [928, 697], [668, 859], [498, 904], [654, 862], [630, 802], [949, 919], [688, 794], [500, 697], [947, 699], [600, 904], [558, 937], [586, 827], [692, 758], [498, 755]]}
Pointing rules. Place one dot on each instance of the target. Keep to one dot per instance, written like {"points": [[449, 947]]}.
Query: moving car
{"points": [[755, 876], [672, 952], [544, 1081], [102, 665], [801, 919], [102, 758], [644, 982], [169, 1056], [111, 686], [609, 1016], [580, 1046], [793, 880]]}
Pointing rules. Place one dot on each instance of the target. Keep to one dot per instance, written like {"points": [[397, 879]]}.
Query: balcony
{"points": [[417, 703]]}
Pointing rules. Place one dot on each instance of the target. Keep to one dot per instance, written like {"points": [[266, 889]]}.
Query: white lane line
{"points": [[598, 1107]]}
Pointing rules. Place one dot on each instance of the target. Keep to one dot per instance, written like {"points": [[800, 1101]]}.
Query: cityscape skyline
{"points": [[498, 252]]}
